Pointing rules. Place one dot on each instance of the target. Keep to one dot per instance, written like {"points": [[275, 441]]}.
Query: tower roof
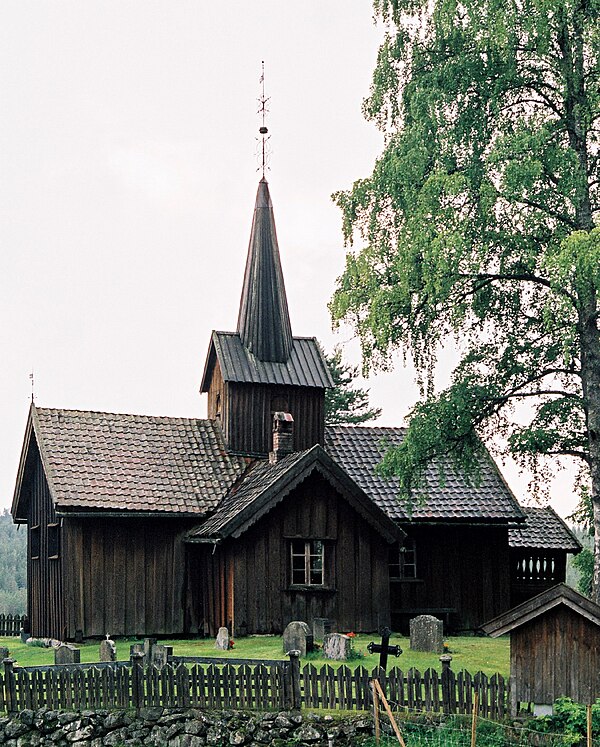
{"points": [[264, 321]]}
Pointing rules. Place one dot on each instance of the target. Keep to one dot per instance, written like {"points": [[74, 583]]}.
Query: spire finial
{"points": [[32, 387], [263, 130]]}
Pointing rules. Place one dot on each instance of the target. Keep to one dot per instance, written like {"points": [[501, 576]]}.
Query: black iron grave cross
{"points": [[384, 649]]}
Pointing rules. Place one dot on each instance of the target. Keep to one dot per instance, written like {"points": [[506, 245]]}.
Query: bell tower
{"points": [[261, 368]]}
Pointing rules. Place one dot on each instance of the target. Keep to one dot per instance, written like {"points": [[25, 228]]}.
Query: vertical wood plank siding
{"points": [[356, 593], [539, 667], [246, 413], [126, 577], [44, 574], [464, 568]]}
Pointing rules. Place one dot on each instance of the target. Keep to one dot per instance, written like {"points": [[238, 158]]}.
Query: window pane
{"points": [[298, 577]]}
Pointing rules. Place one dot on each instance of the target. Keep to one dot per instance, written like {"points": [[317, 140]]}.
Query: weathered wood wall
{"points": [[246, 582], [557, 654], [246, 413], [125, 576], [463, 568], [45, 603]]}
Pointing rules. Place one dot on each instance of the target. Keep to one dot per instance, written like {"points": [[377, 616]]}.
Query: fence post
{"points": [[10, 694], [447, 681], [294, 695], [137, 680]]}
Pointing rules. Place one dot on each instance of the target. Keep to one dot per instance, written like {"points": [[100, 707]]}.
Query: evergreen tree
{"points": [[344, 403], [479, 223]]}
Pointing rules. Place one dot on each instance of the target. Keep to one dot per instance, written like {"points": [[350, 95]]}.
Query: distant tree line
{"points": [[13, 566]]}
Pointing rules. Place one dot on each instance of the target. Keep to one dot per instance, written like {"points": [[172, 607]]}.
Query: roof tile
{"points": [[359, 449], [133, 462]]}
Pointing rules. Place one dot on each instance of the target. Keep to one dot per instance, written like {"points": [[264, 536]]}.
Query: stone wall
{"points": [[156, 727]]}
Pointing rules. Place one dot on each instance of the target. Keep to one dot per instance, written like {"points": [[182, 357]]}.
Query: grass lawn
{"points": [[489, 655]]}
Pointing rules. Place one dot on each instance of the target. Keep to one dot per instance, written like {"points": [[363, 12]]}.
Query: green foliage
{"points": [[13, 567], [344, 403], [568, 719], [584, 562], [478, 224]]}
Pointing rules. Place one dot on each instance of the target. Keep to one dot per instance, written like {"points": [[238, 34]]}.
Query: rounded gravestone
{"points": [[222, 642], [298, 637], [427, 634]]}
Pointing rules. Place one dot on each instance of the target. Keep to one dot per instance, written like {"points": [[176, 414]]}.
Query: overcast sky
{"points": [[128, 173]]}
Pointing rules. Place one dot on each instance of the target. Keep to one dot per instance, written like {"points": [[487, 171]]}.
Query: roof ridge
{"points": [[122, 414], [351, 426]]}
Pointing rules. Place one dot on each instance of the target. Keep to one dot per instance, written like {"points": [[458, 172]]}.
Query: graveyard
{"points": [[469, 652]]}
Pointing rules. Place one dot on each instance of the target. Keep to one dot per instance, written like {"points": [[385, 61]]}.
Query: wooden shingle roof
{"points": [[264, 321], [542, 528], [97, 461], [266, 484], [561, 594], [305, 365], [359, 449]]}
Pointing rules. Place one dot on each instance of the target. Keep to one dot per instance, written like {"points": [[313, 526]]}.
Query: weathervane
{"points": [[264, 132]]}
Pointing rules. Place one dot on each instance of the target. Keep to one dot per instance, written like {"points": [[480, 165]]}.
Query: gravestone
{"points": [[427, 634], [66, 654], [25, 636], [298, 637], [136, 648], [222, 641], [337, 646], [149, 644], [4, 653], [322, 626], [160, 655], [108, 650]]}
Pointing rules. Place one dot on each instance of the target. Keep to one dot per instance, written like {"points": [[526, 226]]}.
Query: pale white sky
{"points": [[127, 181]]}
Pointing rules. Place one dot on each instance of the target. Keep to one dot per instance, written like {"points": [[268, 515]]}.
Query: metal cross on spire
{"points": [[264, 132]]}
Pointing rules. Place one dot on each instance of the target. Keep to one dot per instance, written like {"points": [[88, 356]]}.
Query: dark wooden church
{"points": [[259, 514]]}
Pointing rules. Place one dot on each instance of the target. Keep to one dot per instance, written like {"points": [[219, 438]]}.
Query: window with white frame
{"points": [[307, 559]]}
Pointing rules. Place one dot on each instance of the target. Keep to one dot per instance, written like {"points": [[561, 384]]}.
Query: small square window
{"points": [[307, 562]]}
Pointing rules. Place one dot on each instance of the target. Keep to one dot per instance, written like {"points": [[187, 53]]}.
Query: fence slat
{"points": [[184, 682]]}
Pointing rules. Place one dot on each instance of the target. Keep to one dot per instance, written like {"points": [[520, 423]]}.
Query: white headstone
{"points": [[223, 641]]}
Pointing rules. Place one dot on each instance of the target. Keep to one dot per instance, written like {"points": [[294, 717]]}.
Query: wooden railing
{"points": [[210, 683], [10, 625]]}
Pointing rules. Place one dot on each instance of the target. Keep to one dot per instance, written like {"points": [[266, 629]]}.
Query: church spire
{"points": [[264, 321]]}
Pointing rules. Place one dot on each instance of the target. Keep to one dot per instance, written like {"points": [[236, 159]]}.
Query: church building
{"points": [[260, 514]]}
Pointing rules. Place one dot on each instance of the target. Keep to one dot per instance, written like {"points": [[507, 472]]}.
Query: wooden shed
{"points": [[554, 647]]}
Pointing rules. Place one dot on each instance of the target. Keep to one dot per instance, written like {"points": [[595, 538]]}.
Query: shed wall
{"points": [[556, 654]]}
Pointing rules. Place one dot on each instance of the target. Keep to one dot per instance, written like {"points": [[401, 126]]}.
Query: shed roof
{"points": [[114, 462], [561, 594], [305, 365], [359, 449], [265, 485], [542, 528]]}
